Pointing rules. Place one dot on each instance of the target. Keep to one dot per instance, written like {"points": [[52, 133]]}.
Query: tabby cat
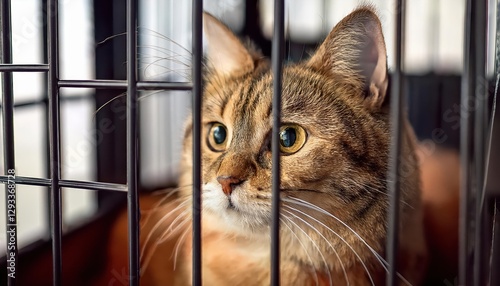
{"points": [[334, 160]]}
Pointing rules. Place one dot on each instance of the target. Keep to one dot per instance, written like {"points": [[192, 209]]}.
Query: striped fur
{"points": [[333, 189]]}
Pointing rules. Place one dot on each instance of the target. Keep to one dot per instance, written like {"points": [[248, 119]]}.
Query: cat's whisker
{"points": [[161, 36], [315, 246], [155, 209], [302, 245], [374, 188], [321, 210], [325, 239], [145, 258], [339, 236], [150, 93], [178, 244], [165, 69], [165, 73], [106, 103], [110, 38], [382, 261], [160, 223], [167, 191], [187, 55], [122, 95], [156, 68], [184, 215], [167, 194], [149, 63], [168, 54]]}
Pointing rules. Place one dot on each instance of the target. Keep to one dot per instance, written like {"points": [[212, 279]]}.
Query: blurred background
{"points": [[92, 46]]}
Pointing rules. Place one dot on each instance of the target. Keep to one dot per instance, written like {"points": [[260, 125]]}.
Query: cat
{"points": [[334, 138]]}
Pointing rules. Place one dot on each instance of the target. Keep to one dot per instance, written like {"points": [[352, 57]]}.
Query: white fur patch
{"points": [[247, 213]]}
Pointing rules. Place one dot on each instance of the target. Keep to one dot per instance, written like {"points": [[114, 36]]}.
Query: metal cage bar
{"points": [[397, 104], [465, 143], [122, 84], [494, 256], [197, 6], [75, 184], [132, 144], [23, 67], [9, 154], [277, 65], [472, 123], [480, 135], [472, 138], [54, 139]]}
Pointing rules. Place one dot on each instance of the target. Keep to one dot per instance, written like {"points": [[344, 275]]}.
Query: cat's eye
{"points": [[217, 137], [292, 138]]}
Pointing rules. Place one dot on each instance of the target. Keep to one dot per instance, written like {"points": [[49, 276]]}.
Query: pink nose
{"points": [[228, 183]]}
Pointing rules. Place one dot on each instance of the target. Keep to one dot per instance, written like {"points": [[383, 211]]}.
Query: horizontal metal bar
{"points": [[149, 85], [97, 83], [98, 186], [43, 182], [27, 181], [24, 67], [35, 102], [122, 84]]}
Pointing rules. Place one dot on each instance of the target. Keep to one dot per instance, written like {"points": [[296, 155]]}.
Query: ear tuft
{"points": [[225, 53], [355, 49]]}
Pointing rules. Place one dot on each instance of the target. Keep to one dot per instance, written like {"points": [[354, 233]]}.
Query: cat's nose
{"points": [[228, 183]]}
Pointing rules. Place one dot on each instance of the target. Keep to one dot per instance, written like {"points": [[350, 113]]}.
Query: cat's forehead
{"points": [[305, 93]]}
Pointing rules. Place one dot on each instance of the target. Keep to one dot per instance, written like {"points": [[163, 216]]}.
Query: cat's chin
{"points": [[231, 220]]}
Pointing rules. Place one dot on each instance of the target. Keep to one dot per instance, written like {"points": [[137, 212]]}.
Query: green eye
{"points": [[217, 137], [292, 138]]}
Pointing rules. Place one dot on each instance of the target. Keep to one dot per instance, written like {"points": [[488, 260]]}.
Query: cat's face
{"points": [[334, 136]]}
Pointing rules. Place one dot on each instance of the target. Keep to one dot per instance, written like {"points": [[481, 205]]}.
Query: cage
{"points": [[138, 59]]}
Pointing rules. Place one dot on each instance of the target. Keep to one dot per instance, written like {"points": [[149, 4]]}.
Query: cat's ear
{"points": [[355, 49], [226, 55]]}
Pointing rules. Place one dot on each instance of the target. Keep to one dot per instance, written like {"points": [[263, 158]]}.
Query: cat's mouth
{"points": [[239, 209], [230, 205]]}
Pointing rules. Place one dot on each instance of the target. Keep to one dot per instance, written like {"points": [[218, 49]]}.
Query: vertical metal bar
{"points": [[197, 90], [494, 277], [480, 127], [277, 65], [9, 155], [465, 146], [468, 83], [132, 143], [397, 105], [496, 69], [54, 142], [45, 132]]}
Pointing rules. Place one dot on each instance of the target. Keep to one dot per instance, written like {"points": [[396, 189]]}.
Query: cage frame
{"points": [[472, 162]]}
